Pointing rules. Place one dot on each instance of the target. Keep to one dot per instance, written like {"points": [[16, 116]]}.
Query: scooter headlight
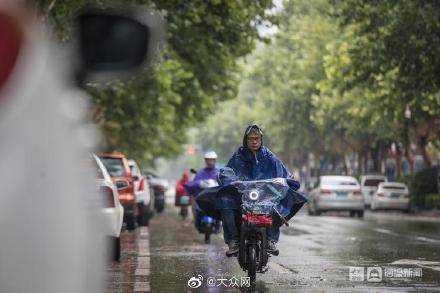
{"points": [[254, 195]]}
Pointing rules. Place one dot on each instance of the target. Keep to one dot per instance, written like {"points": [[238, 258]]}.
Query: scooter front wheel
{"points": [[252, 263], [208, 231]]}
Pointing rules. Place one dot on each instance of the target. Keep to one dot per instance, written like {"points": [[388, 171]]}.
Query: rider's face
{"points": [[254, 141], [210, 163]]}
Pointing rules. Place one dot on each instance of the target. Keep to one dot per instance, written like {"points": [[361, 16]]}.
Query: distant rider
{"points": [[194, 187]]}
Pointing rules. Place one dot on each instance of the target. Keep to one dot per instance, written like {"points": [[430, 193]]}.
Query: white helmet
{"points": [[210, 155]]}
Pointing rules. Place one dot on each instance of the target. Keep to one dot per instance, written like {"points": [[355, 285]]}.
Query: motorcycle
{"points": [[183, 202], [260, 199], [208, 225]]}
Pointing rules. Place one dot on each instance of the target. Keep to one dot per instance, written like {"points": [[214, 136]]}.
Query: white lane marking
{"points": [[144, 231], [141, 287], [142, 272], [433, 265], [385, 231], [428, 239], [143, 261]]}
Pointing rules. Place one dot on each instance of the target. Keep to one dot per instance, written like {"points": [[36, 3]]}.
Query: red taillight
{"points": [[380, 194], [107, 194], [326, 191], [357, 193], [257, 220], [11, 38], [141, 185]]}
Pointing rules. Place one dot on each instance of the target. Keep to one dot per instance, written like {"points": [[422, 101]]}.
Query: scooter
{"points": [[260, 199], [183, 201], [208, 225]]}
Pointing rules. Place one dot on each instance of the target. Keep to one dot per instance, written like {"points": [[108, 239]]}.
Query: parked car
{"points": [[143, 195], [336, 193], [118, 168], [160, 186], [369, 184], [391, 195], [112, 209]]}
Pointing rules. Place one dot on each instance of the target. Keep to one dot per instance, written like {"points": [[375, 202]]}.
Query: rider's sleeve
{"points": [[282, 171]]}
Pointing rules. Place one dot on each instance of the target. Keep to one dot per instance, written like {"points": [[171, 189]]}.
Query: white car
{"points": [[391, 195], [336, 193], [142, 191], [113, 210], [369, 184]]}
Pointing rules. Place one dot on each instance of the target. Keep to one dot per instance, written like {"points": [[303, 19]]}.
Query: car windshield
{"points": [[114, 166], [135, 171], [373, 182], [339, 181]]}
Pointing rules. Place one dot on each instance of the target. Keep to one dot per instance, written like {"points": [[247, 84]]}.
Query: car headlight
{"points": [[254, 195]]}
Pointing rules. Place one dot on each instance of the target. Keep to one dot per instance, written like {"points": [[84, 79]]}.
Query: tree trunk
{"points": [[365, 155], [359, 159], [398, 160], [410, 158], [374, 152], [423, 142]]}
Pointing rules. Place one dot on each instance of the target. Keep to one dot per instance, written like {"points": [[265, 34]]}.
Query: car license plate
{"points": [[395, 195], [342, 193]]}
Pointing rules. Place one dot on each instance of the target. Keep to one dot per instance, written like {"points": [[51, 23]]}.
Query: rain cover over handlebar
{"points": [[261, 196]]}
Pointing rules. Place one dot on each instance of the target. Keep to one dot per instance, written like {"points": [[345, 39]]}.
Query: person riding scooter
{"points": [[182, 196], [202, 178], [252, 161]]}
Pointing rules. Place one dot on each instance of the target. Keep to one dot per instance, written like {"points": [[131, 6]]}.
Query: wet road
{"points": [[316, 254]]}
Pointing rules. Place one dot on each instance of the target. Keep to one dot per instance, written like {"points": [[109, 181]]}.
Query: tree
{"points": [[149, 117]]}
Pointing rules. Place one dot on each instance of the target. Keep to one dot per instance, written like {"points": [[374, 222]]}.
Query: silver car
{"points": [[391, 195], [337, 193]]}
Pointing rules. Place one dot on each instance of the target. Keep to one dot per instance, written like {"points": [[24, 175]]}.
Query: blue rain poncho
{"points": [[244, 166]]}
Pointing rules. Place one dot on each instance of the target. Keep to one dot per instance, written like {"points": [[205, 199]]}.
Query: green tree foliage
{"points": [[393, 54], [340, 75], [148, 117]]}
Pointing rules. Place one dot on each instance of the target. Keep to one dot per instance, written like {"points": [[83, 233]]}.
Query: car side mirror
{"points": [[111, 43], [122, 184]]}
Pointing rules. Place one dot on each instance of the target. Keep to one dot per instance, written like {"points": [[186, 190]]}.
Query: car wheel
{"points": [[317, 213], [352, 213], [131, 222], [360, 214], [117, 249], [144, 215]]}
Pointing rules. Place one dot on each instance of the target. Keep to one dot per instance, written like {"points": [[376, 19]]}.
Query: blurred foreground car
{"points": [[369, 184], [118, 168], [160, 186], [336, 193], [143, 196], [112, 210], [392, 196], [54, 244]]}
